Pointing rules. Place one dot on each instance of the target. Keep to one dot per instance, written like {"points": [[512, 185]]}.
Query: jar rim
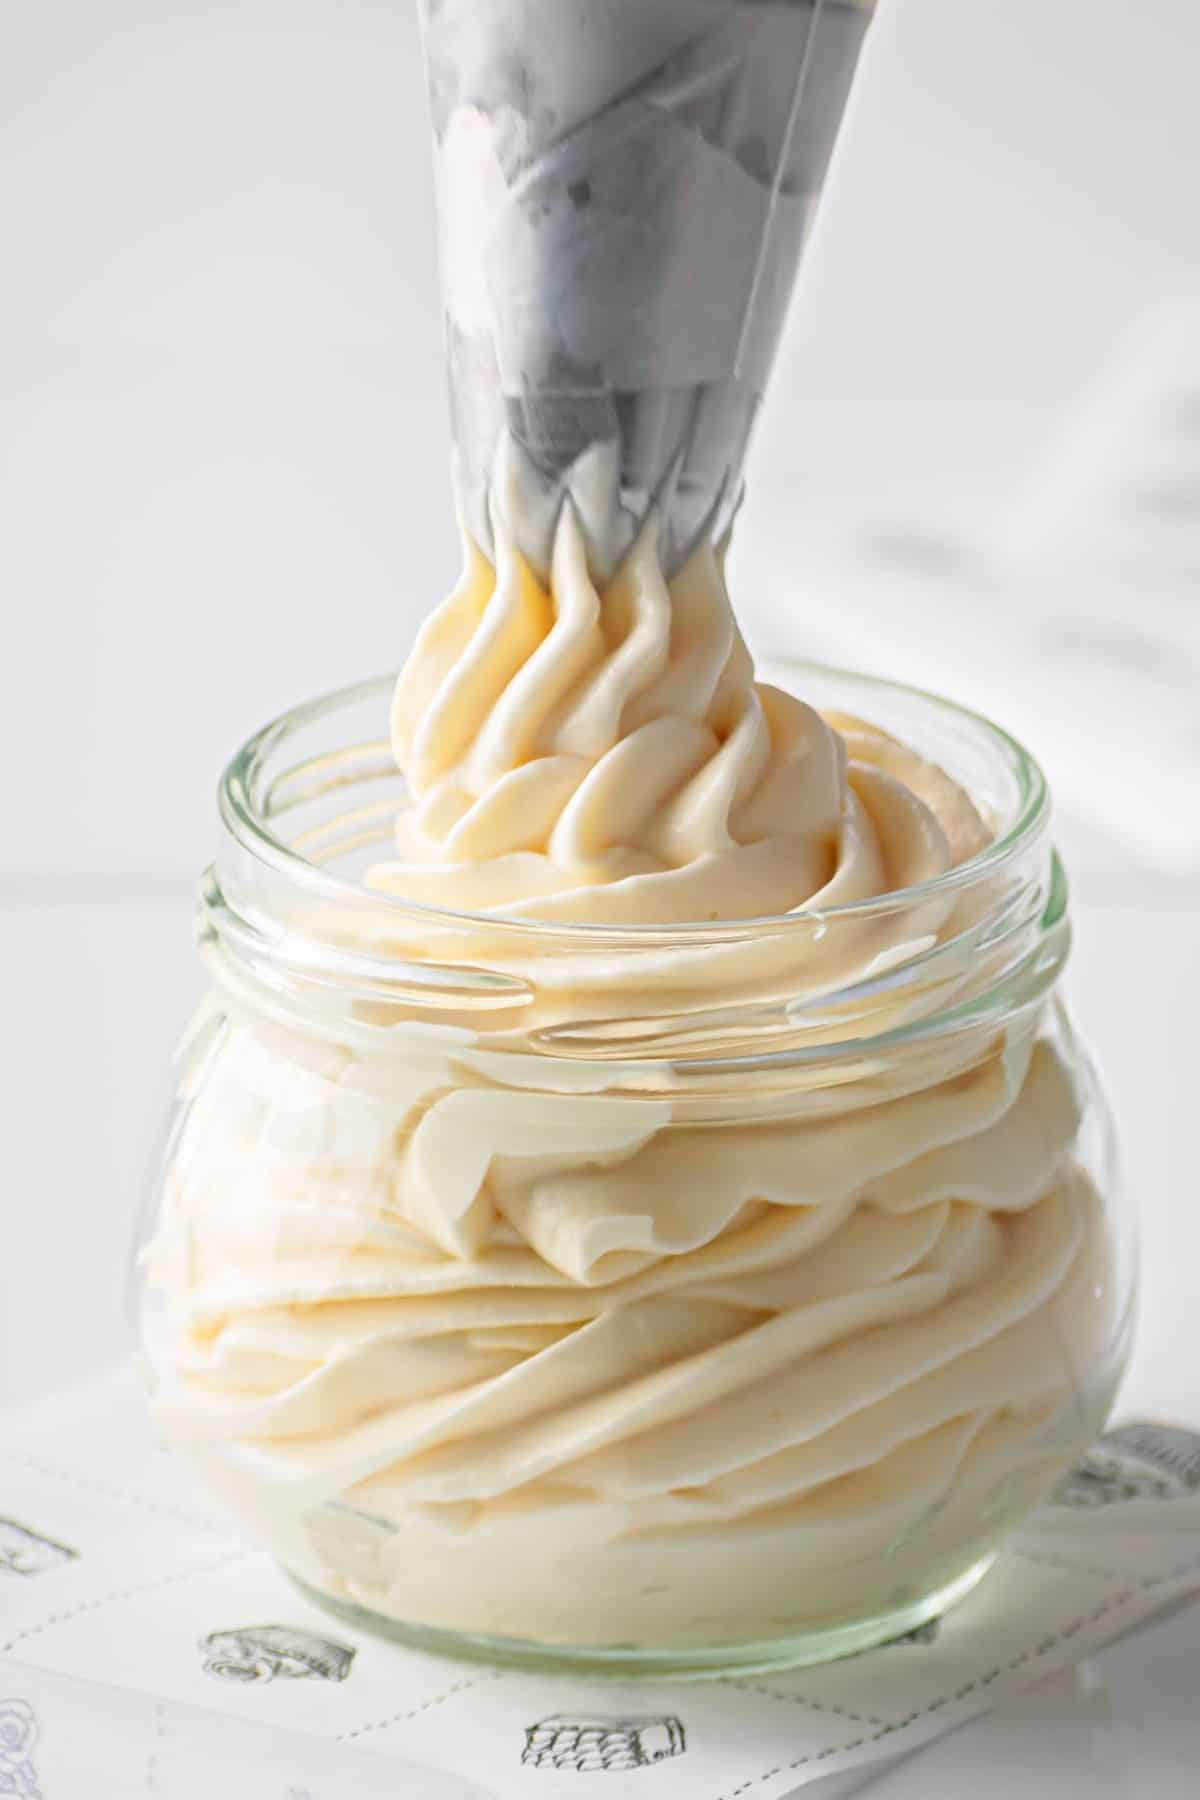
{"points": [[241, 803]]}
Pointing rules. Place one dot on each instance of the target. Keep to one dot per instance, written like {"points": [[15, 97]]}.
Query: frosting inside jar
{"points": [[577, 1348]]}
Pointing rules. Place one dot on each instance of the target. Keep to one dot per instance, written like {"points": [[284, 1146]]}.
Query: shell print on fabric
{"points": [[18, 1739], [1134, 1462], [273, 1653], [26, 1552], [592, 1741]]}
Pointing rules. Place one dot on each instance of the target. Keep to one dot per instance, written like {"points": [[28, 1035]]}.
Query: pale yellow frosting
{"points": [[610, 758], [577, 1351]]}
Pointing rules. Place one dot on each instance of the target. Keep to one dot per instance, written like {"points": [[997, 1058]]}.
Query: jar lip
{"points": [[250, 827]]}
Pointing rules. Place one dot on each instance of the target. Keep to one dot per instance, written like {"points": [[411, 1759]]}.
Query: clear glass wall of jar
{"points": [[641, 1298]]}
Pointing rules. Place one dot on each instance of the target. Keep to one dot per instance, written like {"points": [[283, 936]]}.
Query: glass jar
{"points": [[705, 1297]]}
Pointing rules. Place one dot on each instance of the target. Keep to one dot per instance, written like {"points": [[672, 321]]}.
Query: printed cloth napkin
{"points": [[143, 1650]]}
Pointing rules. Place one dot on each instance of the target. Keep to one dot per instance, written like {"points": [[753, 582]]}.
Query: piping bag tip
{"points": [[624, 189]]}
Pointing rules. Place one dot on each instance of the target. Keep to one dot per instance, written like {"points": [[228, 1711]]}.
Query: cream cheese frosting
{"points": [[583, 1348], [610, 758]]}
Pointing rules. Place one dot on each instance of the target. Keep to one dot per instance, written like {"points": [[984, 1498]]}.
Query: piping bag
{"points": [[624, 188]]}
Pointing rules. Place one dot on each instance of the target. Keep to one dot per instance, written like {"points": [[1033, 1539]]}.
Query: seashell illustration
{"points": [[588, 1741], [18, 1739], [26, 1552], [1134, 1462], [274, 1653]]}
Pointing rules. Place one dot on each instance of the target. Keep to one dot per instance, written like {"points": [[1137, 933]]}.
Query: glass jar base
{"points": [[792, 1652]]}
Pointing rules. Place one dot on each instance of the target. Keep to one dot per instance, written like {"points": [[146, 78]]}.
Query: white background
{"points": [[224, 487]]}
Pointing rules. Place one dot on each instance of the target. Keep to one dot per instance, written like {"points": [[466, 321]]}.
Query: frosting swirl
{"points": [[564, 1344], [610, 758]]}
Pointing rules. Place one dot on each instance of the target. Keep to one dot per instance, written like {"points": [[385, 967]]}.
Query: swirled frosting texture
{"points": [[585, 1347], [610, 758]]}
